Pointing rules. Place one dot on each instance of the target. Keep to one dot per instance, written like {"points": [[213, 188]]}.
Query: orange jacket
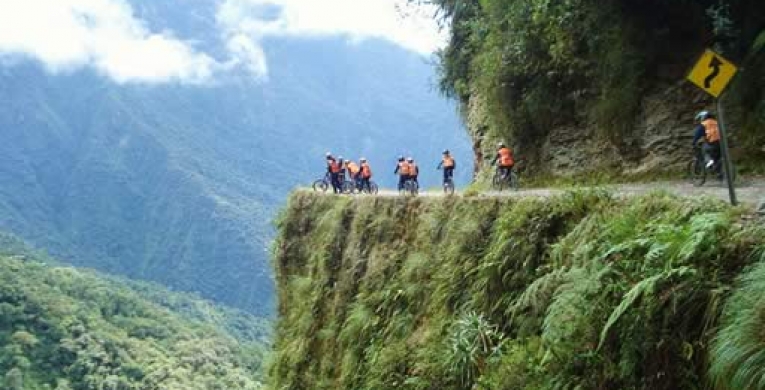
{"points": [[334, 166], [366, 171], [505, 157], [353, 168], [448, 162], [712, 130], [403, 168], [413, 170]]}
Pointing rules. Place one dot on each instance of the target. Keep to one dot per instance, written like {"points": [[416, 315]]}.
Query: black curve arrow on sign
{"points": [[715, 64]]}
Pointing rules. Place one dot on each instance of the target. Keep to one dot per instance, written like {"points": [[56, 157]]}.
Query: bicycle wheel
{"points": [[409, 188], [514, 183], [373, 189], [449, 187], [348, 187], [320, 185], [498, 183], [697, 174]]}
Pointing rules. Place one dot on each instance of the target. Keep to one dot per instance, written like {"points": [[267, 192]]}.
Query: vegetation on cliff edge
{"points": [[578, 291]]}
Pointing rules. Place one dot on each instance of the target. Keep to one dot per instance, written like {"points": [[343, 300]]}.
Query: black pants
{"points": [[337, 184], [364, 184], [401, 180], [448, 174], [712, 150]]}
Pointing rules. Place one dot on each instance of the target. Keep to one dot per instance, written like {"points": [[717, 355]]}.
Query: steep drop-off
{"points": [[578, 291]]}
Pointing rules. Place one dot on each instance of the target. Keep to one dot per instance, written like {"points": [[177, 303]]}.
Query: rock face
{"points": [[659, 141]]}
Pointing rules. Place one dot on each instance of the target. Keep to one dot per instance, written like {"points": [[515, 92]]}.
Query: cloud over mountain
{"points": [[102, 34]]}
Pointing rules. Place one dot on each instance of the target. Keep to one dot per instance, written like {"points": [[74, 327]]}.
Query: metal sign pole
{"points": [[727, 163]]}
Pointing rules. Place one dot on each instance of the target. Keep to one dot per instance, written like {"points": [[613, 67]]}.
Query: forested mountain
{"points": [[177, 183], [62, 328]]}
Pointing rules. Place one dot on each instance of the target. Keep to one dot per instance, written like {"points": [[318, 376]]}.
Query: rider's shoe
{"points": [[710, 163]]}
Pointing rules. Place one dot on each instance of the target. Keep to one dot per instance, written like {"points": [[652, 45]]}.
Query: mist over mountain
{"points": [[177, 183]]}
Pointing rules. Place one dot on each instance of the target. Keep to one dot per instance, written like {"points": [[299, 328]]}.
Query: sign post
{"points": [[712, 73]]}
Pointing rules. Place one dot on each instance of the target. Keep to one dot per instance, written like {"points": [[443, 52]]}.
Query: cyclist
{"points": [[333, 170], [353, 171], [402, 170], [448, 164], [505, 158], [414, 171], [708, 132], [365, 175]]}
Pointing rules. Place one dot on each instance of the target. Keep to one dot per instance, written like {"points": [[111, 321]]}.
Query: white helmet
{"points": [[702, 115]]}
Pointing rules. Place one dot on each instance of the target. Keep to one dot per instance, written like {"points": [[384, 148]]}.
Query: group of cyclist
{"points": [[407, 169], [339, 169]]}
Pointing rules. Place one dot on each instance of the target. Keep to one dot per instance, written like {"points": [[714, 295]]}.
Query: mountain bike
{"points": [[349, 187], [698, 170], [372, 190], [448, 184], [411, 188], [502, 181], [322, 184]]}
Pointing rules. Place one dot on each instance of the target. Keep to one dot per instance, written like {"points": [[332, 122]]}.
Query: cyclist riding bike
{"points": [[708, 132], [365, 176], [333, 169], [414, 170], [504, 160], [448, 164], [402, 170]]}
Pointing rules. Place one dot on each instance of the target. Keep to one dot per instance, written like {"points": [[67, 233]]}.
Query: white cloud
{"points": [[103, 34], [358, 19]]}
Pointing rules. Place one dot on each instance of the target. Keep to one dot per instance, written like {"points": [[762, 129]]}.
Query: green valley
{"points": [[63, 328]]}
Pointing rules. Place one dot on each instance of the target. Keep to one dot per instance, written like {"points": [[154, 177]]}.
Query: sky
{"points": [[107, 36]]}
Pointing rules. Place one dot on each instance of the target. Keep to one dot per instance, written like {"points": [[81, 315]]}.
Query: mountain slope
{"points": [[68, 329], [176, 183]]}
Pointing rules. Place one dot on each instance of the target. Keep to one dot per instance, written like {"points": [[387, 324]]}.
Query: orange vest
{"points": [[366, 170], [413, 169], [353, 168], [334, 166], [712, 130], [448, 162], [506, 157], [403, 168]]}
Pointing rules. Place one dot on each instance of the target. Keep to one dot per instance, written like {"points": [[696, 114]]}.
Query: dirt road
{"points": [[751, 193]]}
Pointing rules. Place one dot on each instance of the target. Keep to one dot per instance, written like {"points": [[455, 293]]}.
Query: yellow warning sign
{"points": [[712, 73]]}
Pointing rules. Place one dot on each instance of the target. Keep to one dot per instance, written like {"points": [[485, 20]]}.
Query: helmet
{"points": [[329, 154], [339, 157], [409, 159], [702, 115], [446, 151], [346, 162], [501, 145], [400, 158], [363, 159]]}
